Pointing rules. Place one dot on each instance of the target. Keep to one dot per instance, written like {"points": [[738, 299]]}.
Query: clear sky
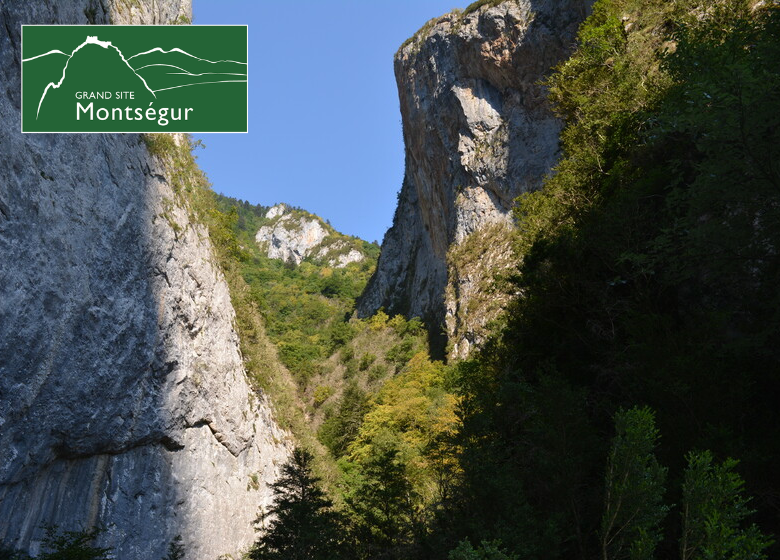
{"points": [[324, 123]]}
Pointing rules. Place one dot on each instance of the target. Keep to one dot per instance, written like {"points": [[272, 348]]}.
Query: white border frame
{"points": [[21, 80]]}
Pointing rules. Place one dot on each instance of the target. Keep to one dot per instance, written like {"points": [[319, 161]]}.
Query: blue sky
{"points": [[324, 123]]}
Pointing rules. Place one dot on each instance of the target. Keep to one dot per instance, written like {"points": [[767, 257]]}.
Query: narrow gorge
{"points": [[132, 371], [566, 346]]}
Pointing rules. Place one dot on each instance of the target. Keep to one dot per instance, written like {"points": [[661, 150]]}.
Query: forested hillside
{"points": [[647, 268], [628, 406], [362, 390], [304, 305]]}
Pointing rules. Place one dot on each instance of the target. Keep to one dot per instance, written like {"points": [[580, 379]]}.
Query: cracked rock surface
{"points": [[123, 396], [478, 132], [292, 236]]}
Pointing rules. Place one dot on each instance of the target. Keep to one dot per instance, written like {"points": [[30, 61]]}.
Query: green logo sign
{"points": [[145, 78]]}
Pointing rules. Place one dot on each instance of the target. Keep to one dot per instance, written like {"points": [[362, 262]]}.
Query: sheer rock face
{"points": [[478, 132], [290, 238], [123, 397]]}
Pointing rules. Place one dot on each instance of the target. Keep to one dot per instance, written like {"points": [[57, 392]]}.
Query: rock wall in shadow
{"points": [[123, 397]]}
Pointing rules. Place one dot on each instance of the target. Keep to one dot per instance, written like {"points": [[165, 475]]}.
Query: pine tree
{"points": [[73, 545], [302, 524], [63, 545], [381, 501]]}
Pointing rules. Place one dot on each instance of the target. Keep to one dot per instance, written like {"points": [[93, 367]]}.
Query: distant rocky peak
{"points": [[276, 211], [292, 235]]}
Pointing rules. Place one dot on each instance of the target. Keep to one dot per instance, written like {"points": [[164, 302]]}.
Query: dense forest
{"points": [[626, 405], [625, 409], [648, 271]]}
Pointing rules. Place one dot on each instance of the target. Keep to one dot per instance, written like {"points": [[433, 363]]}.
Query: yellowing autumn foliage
{"points": [[414, 414]]}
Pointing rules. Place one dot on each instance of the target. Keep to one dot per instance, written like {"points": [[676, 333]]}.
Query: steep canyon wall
{"points": [[478, 132], [124, 401]]}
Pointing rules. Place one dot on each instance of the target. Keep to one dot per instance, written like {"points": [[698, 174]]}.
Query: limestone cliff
{"points": [[292, 235], [123, 397], [478, 132]]}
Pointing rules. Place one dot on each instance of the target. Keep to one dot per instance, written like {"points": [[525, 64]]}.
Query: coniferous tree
{"points": [[64, 545], [302, 524], [487, 550], [381, 502], [7, 553]]}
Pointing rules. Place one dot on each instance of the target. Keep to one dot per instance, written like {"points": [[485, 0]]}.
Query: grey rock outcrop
{"points": [[343, 259], [289, 237], [294, 235], [478, 132], [124, 401]]}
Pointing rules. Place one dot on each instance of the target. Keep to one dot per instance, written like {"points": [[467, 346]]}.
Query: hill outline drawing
{"points": [[94, 40]]}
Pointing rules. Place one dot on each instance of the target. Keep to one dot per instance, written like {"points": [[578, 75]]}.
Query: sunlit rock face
{"points": [[124, 401], [292, 235], [478, 132]]}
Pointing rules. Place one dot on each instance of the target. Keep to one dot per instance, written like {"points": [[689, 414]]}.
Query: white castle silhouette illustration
{"points": [[93, 40]]}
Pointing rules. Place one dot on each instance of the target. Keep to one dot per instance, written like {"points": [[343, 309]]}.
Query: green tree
{"points": [[380, 498], [64, 545], [633, 506], [714, 511], [7, 553], [73, 545], [302, 522], [340, 429], [414, 415], [488, 550]]}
